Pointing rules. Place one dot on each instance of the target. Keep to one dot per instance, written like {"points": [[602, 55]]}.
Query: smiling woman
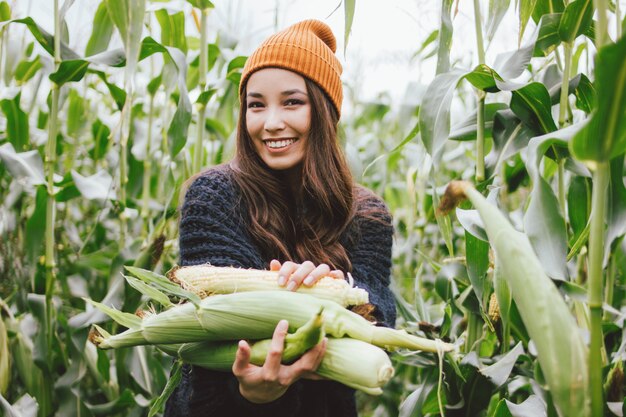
{"points": [[286, 202], [278, 117]]}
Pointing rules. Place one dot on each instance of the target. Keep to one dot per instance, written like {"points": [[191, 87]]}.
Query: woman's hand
{"points": [[293, 275], [262, 384]]}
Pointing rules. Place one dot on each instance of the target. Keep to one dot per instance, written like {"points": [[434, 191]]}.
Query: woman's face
{"points": [[278, 116]]}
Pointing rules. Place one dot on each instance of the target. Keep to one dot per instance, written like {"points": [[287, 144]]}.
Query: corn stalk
{"points": [[50, 166], [480, 115], [596, 251], [203, 68]]}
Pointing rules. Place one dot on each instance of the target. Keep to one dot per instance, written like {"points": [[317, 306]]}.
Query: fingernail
{"points": [[308, 280], [282, 280], [291, 286], [284, 324]]}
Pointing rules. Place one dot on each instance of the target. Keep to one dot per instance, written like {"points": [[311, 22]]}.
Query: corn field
{"points": [[527, 276]]}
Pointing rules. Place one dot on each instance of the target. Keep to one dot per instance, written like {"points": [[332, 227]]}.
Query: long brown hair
{"points": [[308, 225]]}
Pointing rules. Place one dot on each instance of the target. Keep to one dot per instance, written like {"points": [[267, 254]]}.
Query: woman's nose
{"points": [[274, 120]]}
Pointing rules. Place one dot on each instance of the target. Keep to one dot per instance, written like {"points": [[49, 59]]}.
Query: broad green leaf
{"points": [[45, 39], [499, 372], [25, 406], [526, 8], [510, 136], [502, 410], [434, 117], [23, 165], [163, 284], [497, 10], [36, 226], [532, 105], [533, 406], [578, 204], [604, 138], [102, 31], [172, 29], [547, 7], [125, 319], [205, 96], [466, 130], [177, 132], [26, 70], [98, 186], [100, 134], [582, 88], [201, 4], [348, 8], [149, 291], [548, 37], [128, 15], [76, 113], [575, 20], [172, 383], [444, 38], [119, 95], [69, 71], [17, 123], [234, 66], [477, 260], [5, 11], [616, 209], [543, 221]]}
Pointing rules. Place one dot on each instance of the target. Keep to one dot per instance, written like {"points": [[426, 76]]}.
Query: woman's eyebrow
{"points": [[255, 95], [293, 91]]}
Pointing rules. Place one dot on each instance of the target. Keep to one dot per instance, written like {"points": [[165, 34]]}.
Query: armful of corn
{"points": [[208, 280]]}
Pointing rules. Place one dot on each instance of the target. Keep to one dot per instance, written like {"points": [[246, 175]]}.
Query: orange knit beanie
{"points": [[307, 48]]}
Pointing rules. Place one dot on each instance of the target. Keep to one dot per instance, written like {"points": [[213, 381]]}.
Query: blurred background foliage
{"points": [[97, 135]]}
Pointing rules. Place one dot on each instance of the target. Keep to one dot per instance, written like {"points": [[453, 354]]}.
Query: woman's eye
{"points": [[293, 102], [255, 105]]}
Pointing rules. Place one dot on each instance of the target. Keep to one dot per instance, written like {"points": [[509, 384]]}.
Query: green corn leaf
{"points": [[175, 377], [499, 372], [526, 8], [532, 105], [45, 39], [444, 38], [76, 113], [69, 71], [543, 221], [172, 29], [163, 284], [578, 204], [5, 369], [128, 320], [434, 117], [36, 225], [582, 88], [26, 70], [497, 10], [118, 94], [616, 210], [5, 11], [348, 7], [575, 20], [547, 7], [201, 4], [466, 130], [604, 137], [548, 37], [102, 31], [149, 291], [477, 257], [100, 134], [17, 129], [510, 136], [128, 15], [23, 165]]}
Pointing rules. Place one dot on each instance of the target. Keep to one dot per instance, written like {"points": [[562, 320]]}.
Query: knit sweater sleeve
{"points": [[212, 231], [371, 256]]}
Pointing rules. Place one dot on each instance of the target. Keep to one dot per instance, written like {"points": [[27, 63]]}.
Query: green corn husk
{"points": [[254, 315], [561, 350]]}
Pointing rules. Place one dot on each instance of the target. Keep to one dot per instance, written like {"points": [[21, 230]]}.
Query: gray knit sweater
{"points": [[213, 230]]}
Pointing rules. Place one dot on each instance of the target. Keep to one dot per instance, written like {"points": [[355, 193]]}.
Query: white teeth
{"points": [[279, 143]]}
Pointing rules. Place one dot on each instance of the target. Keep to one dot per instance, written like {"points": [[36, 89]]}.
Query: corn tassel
{"points": [[254, 315], [208, 280]]}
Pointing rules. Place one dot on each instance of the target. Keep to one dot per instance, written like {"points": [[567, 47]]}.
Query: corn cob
{"points": [[208, 280], [254, 315], [561, 350]]}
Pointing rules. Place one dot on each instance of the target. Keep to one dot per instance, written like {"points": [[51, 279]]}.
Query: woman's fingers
{"points": [[337, 274], [285, 272], [302, 272], [275, 265], [319, 272], [272, 365], [242, 359]]}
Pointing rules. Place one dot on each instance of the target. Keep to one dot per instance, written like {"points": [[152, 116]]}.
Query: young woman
{"points": [[286, 202]]}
